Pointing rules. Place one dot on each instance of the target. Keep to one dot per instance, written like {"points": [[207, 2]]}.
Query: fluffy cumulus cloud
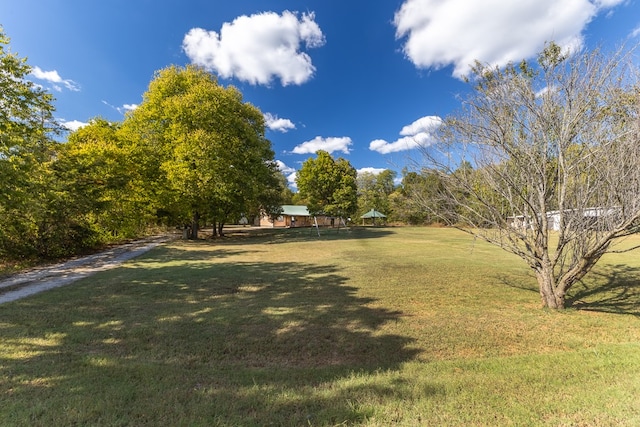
{"points": [[73, 125], [439, 33], [288, 172], [277, 124], [374, 171], [54, 78], [291, 179], [284, 168], [258, 48], [414, 135], [329, 145]]}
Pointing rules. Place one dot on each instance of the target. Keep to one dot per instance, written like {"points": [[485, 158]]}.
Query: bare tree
{"points": [[544, 161]]}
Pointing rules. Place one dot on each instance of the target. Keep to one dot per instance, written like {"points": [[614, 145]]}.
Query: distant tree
{"points": [[328, 186], [416, 200], [374, 191], [276, 194], [560, 136], [207, 147], [286, 194], [298, 199]]}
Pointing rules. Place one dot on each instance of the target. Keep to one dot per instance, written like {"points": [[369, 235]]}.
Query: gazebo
{"points": [[373, 214]]}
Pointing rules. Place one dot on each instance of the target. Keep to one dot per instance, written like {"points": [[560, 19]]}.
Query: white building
{"points": [[554, 217]]}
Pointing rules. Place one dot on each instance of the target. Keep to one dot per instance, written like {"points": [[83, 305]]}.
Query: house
{"points": [[296, 216], [589, 216], [553, 217]]}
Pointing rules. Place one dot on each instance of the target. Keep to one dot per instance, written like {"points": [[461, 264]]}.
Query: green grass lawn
{"points": [[375, 326]]}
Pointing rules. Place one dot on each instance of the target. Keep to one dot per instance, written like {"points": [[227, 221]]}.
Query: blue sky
{"points": [[365, 80]]}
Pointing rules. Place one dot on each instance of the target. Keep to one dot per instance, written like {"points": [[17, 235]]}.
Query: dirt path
{"points": [[53, 276]]}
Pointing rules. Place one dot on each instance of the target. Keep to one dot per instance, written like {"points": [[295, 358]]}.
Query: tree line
{"points": [[193, 152], [333, 187]]}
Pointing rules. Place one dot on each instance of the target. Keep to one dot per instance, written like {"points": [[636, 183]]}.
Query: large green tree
{"points": [[555, 154], [26, 146], [202, 147], [328, 186], [97, 171]]}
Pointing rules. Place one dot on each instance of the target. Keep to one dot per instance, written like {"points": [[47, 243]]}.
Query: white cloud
{"points": [[291, 179], [417, 134], [54, 78], [123, 109], [289, 172], [605, 4], [423, 124], [330, 145], [277, 124], [374, 171], [402, 144], [258, 48], [459, 32], [74, 125], [284, 168]]}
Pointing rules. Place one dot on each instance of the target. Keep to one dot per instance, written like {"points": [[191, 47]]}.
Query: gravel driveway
{"points": [[53, 276]]}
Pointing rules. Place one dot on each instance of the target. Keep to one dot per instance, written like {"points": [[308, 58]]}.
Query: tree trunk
{"points": [[220, 226], [552, 295], [195, 225]]}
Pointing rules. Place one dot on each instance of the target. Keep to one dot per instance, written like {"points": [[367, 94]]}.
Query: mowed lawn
{"points": [[375, 327]]}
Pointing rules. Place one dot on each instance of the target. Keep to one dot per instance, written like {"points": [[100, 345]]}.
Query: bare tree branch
{"points": [[543, 162]]}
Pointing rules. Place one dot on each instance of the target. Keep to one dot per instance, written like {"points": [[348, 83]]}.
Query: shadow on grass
{"points": [[609, 289], [301, 234], [202, 344], [198, 250], [525, 282]]}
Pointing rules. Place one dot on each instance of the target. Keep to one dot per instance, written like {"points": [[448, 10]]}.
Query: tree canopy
{"points": [[374, 191], [26, 147], [192, 149], [328, 186], [204, 147]]}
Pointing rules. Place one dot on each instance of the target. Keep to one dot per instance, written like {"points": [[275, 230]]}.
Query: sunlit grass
{"points": [[378, 326]]}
